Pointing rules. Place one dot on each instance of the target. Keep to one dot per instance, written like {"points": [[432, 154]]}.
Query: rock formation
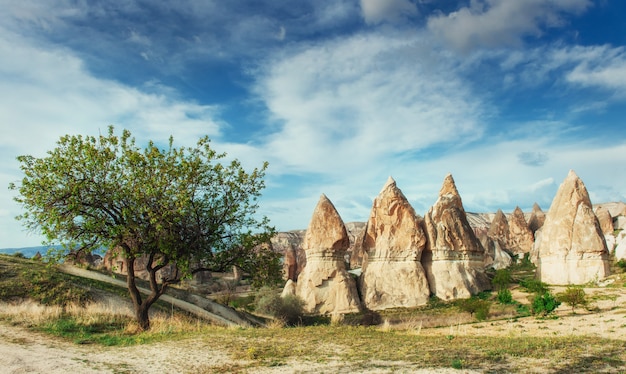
{"points": [[496, 242], [324, 284], [394, 240], [572, 249], [499, 229], [290, 245], [453, 258], [495, 256], [537, 218], [521, 239], [356, 254], [605, 219], [620, 246]]}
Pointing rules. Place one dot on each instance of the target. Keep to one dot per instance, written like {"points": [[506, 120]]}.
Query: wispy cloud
{"points": [[498, 23], [377, 11], [50, 93], [353, 101]]}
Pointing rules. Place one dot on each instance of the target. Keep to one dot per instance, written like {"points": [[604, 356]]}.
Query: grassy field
{"points": [[37, 297]]}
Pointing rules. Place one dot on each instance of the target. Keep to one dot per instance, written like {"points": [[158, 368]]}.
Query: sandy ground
{"points": [[25, 351]]}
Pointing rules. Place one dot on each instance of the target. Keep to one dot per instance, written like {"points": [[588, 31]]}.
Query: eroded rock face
{"points": [[620, 246], [537, 218], [324, 284], [521, 239], [572, 249], [289, 244], [453, 258], [394, 240], [356, 254], [499, 229], [605, 219]]}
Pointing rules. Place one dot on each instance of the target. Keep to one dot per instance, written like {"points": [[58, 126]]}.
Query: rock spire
{"points": [[572, 249], [394, 240], [324, 284], [453, 258]]}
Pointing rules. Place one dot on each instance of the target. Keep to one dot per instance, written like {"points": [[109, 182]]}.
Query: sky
{"points": [[337, 96]]}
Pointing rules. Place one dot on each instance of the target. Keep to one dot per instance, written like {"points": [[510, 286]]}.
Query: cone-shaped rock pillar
{"points": [[324, 284], [394, 240], [572, 249], [453, 258]]}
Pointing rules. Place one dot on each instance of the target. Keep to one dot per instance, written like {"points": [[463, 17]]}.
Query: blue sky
{"points": [[506, 95]]}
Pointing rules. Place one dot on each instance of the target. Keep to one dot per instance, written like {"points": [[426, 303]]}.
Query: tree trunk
{"points": [[143, 317], [140, 306]]}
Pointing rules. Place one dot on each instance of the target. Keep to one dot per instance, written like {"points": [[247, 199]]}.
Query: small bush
{"points": [[622, 264], [502, 279], [475, 307], [573, 296], [504, 296], [534, 286], [288, 309], [544, 304]]}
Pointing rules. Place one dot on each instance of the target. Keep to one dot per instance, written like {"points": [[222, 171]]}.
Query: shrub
{"points": [[475, 307], [573, 296], [504, 296], [622, 264], [534, 285], [288, 309], [502, 279], [544, 304]]}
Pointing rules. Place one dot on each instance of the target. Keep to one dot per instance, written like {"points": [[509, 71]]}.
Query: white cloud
{"points": [[47, 93], [354, 102], [496, 23], [377, 11]]}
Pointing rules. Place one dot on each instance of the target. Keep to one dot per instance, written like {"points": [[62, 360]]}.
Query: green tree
{"points": [[178, 207], [475, 306], [573, 296], [544, 304]]}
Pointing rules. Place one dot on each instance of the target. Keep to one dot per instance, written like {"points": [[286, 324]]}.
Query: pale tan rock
{"points": [[289, 244], [453, 258], [495, 256], [572, 249], [356, 254], [289, 289], [521, 239], [392, 275], [499, 229], [620, 246], [537, 218], [605, 219], [324, 284]]}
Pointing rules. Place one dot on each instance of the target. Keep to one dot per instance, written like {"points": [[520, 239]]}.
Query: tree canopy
{"points": [[179, 207]]}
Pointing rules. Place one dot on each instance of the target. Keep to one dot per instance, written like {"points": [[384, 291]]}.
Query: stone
{"points": [[289, 244], [495, 256], [499, 228], [572, 249], [537, 218], [605, 219], [453, 258], [392, 275], [620, 246], [325, 284], [521, 238], [356, 232]]}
